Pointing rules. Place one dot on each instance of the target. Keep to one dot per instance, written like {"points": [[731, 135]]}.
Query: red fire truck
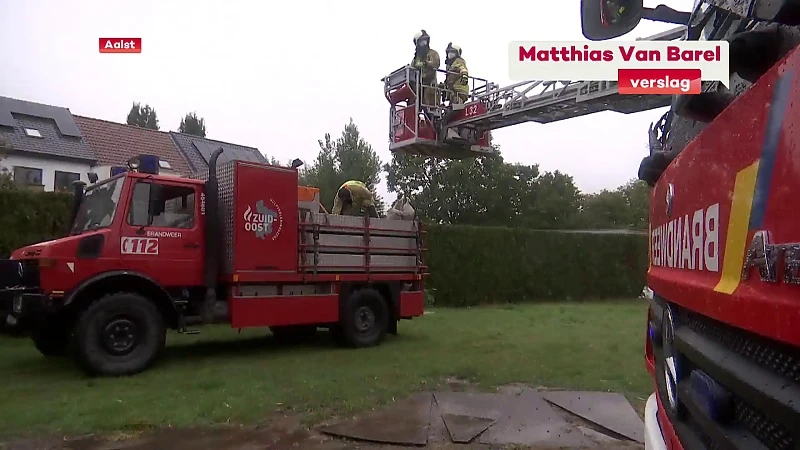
{"points": [[723, 327], [148, 252]]}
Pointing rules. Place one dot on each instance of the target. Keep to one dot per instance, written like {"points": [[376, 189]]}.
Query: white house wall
{"points": [[48, 167]]}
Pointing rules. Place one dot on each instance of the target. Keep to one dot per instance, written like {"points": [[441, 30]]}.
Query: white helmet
{"points": [[420, 34], [454, 47]]}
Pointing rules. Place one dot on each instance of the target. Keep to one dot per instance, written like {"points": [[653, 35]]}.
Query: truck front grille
{"points": [[780, 358], [761, 375], [30, 273], [771, 433]]}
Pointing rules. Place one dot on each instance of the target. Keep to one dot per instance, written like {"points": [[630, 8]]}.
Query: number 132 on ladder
{"points": [[139, 246]]}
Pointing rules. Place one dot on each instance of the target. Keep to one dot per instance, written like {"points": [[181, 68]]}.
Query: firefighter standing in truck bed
{"points": [[427, 61], [351, 198]]}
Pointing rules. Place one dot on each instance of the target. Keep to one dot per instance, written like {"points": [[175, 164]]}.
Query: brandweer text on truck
{"points": [[147, 253], [723, 326]]}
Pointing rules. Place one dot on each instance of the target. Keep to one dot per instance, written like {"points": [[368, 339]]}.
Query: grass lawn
{"points": [[221, 376]]}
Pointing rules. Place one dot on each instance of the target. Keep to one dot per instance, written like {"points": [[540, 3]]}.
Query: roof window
{"points": [[33, 132], [164, 164]]}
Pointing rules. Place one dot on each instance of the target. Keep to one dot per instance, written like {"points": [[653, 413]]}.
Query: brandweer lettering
{"points": [[627, 54], [688, 242]]}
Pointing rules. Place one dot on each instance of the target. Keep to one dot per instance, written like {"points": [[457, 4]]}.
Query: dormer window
{"points": [[33, 132]]}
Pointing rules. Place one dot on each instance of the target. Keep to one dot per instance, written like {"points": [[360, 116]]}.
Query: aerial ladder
{"points": [[419, 129]]}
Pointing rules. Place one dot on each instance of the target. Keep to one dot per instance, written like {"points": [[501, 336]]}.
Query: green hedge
{"points": [[468, 265], [484, 265], [28, 217]]}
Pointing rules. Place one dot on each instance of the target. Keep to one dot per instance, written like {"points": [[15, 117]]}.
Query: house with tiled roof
{"points": [[197, 150], [41, 146], [116, 143]]}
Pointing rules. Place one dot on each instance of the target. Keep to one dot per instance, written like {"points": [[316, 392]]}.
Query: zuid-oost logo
{"points": [[265, 221]]}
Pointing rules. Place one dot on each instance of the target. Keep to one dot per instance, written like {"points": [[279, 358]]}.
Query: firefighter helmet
{"points": [[422, 34], [454, 48]]}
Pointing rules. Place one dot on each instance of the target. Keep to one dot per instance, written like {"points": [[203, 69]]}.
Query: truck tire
{"points": [[51, 337], [119, 334], [365, 319]]}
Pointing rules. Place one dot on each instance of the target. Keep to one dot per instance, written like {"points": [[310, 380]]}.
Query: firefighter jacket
{"points": [[361, 195], [429, 63], [457, 80]]}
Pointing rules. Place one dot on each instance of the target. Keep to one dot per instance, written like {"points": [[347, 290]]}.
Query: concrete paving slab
{"points": [[512, 389], [597, 436], [437, 431], [406, 422], [463, 429], [608, 410], [488, 406], [532, 421]]}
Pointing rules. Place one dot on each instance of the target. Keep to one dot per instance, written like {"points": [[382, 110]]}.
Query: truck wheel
{"points": [[51, 337], [365, 319], [294, 333], [120, 334]]}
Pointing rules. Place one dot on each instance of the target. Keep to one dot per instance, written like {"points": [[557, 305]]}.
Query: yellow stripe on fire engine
{"points": [[649, 247], [739, 224]]}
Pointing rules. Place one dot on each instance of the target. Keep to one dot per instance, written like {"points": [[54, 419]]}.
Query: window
{"points": [[164, 164], [63, 181], [28, 177], [99, 206], [33, 132], [178, 208]]}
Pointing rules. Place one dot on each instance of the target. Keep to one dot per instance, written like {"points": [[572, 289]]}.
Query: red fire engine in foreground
{"points": [[723, 328], [147, 252]]}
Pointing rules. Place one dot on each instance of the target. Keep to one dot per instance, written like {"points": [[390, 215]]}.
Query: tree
{"points": [[143, 116], [625, 207], [6, 180], [483, 191], [637, 196], [349, 157], [193, 125]]}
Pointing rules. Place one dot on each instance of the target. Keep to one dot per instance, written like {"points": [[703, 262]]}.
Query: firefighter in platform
{"points": [[457, 80], [351, 198], [456, 90], [427, 61]]}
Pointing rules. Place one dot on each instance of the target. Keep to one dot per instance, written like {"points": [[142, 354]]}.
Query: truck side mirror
{"points": [[155, 204], [607, 19]]}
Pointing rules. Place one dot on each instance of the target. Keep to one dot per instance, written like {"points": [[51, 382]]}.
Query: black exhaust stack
{"points": [[78, 188], [212, 238]]}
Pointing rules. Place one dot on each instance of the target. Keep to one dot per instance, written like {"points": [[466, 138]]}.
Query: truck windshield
{"points": [[98, 206]]}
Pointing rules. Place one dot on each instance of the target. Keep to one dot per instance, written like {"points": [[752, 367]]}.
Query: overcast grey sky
{"points": [[279, 75]]}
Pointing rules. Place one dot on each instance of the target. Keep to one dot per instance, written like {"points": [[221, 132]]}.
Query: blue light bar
{"points": [[148, 164], [116, 170]]}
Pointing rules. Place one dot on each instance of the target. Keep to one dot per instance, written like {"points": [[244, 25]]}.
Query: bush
{"points": [[484, 265], [28, 217], [469, 265]]}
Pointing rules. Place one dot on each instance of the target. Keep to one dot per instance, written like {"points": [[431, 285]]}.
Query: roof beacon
{"points": [[144, 164]]}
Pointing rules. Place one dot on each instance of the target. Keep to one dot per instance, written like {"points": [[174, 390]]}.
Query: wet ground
{"points": [[516, 417]]}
